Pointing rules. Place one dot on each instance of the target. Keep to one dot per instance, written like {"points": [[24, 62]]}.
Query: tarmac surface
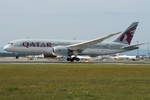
{"points": [[12, 60]]}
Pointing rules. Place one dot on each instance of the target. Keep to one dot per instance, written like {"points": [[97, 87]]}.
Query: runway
{"points": [[12, 60], [64, 62]]}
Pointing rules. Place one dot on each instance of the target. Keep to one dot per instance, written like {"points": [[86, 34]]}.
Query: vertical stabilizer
{"points": [[127, 35]]}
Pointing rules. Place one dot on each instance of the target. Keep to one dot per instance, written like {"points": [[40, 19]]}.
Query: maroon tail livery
{"points": [[127, 35]]}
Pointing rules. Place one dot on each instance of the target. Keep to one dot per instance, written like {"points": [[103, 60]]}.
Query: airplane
{"points": [[72, 49]]}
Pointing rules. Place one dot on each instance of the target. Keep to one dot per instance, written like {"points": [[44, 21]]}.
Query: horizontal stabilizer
{"points": [[132, 47]]}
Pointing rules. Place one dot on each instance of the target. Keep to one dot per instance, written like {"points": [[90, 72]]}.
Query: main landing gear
{"points": [[71, 59]]}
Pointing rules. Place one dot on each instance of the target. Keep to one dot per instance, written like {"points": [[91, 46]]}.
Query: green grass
{"points": [[74, 82]]}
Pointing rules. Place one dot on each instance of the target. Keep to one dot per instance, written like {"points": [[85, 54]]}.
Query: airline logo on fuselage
{"points": [[36, 44]]}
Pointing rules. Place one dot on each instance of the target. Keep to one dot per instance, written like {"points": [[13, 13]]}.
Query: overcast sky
{"points": [[72, 19]]}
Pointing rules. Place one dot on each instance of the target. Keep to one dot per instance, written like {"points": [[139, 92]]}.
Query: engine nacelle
{"points": [[61, 51]]}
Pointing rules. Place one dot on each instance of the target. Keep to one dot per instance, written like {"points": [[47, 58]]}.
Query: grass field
{"points": [[74, 82]]}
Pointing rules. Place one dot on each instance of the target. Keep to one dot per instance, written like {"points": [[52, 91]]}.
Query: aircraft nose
{"points": [[6, 47]]}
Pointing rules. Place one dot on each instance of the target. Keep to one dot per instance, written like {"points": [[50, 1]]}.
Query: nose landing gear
{"points": [[17, 57]]}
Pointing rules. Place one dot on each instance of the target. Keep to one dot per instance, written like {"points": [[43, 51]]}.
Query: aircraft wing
{"points": [[83, 45]]}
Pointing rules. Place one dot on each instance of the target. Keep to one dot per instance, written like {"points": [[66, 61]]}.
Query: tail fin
{"points": [[127, 35]]}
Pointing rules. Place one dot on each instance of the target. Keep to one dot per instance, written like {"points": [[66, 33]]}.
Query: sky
{"points": [[72, 19]]}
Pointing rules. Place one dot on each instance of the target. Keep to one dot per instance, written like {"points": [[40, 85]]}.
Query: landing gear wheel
{"points": [[68, 59], [77, 59], [72, 59]]}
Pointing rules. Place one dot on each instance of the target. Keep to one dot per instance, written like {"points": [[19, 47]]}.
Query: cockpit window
{"points": [[10, 43]]}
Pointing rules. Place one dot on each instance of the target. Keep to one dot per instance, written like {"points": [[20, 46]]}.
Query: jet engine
{"points": [[62, 51]]}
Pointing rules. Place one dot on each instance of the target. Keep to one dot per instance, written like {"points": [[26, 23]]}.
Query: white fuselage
{"points": [[38, 46]]}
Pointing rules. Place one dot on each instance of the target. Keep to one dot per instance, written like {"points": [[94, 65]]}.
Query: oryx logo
{"points": [[127, 36]]}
